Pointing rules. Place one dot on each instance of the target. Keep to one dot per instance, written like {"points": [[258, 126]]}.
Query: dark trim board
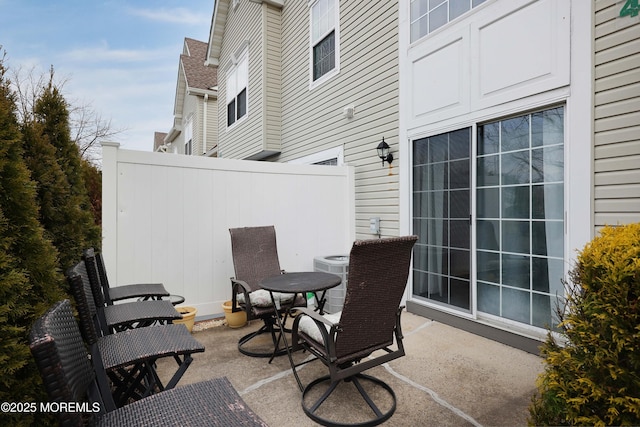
{"points": [[511, 339]]}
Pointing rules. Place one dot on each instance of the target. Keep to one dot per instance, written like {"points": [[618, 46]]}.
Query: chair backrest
{"points": [[102, 275], [378, 273], [92, 325], [93, 273], [255, 254], [62, 360]]}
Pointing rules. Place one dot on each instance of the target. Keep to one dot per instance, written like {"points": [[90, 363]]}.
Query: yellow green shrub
{"points": [[594, 379]]}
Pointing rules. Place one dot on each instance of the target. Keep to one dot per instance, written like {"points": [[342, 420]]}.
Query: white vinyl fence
{"points": [[166, 218]]}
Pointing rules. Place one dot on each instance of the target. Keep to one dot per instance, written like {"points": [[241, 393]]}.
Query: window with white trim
{"points": [[428, 15], [237, 84], [325, 40]]}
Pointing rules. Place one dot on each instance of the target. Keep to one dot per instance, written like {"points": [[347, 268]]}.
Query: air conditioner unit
{"points": [[338, 265]]}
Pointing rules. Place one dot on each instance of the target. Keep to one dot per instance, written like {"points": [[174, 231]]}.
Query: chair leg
{"points": [[130, 384], [268, 327], [141, 380], [378, 418], [183, 364]]}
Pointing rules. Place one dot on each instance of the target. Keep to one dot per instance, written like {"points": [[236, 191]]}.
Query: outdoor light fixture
{"points": [[383, 152]]}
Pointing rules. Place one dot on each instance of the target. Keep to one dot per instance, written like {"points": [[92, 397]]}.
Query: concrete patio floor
{"points": [[448, 377]]}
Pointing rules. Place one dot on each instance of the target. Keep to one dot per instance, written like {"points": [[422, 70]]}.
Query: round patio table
{"points": [[295, 283], [310, 281]]}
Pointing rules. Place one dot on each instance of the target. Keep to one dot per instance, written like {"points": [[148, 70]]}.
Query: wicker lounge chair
{"points": [[127, 315], [129, 357], [255, 257], [369, 321], [68, 376], [139, 290]]}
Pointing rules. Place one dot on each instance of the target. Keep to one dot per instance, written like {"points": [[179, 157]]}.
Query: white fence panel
{"points": [[166, 218]]}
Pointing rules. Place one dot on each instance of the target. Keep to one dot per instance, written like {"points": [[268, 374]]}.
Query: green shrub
{"points": [[594, 379], [30, 280]]}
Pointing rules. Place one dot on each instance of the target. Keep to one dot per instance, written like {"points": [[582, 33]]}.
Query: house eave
{"points": [[212, 152], [276, 3], [172, 134], [202, 92], [264, 154], [216, 30]]}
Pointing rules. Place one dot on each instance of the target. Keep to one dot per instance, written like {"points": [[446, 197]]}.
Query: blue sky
{"points": [[120, 56]]}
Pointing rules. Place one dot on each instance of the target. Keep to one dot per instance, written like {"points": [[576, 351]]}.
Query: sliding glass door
{"points": [[441, 213], [519, 211], [520, 216]]}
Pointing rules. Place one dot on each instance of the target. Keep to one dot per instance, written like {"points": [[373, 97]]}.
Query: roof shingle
{"points": [[198, 75]]}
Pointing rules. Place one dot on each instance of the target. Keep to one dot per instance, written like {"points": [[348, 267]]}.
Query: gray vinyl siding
{"points": [[616, 115], [245, 138], [189, 107], [211, 126], [196, 108], [212, 123], [272, 48], [313, 121]]}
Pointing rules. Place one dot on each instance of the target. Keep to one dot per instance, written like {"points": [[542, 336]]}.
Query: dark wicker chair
{"points": [[369, 321], [255, 257], [126, 315], [68, 376], [139, 290], [129, 357]]}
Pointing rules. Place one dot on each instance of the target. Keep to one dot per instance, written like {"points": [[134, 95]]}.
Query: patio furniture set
{"points": [[125, 340]]}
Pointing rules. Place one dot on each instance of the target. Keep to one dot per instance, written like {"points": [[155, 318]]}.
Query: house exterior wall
{"points": [[617, 115], [198, 131], [191, 108], [195, 99], [243, 27], [246, 26], [208, 124], [204, 113], [313, 119], [288, 120], [500, 60], [272, 77], [204, 122]]}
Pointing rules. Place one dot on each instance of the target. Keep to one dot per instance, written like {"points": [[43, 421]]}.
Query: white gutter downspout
{"points": [[204, 124]]}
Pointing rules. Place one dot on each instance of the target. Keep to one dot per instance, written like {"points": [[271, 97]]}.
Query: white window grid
{"points": [[324, 17]]}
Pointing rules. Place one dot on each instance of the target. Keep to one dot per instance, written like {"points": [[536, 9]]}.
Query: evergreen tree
{"points": [[93, 181], [30, 280], [54, 159]]}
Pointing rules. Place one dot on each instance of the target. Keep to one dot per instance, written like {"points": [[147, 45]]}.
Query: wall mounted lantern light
{"points": [[383, 152]]}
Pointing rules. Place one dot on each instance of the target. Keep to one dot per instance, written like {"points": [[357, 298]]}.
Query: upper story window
{"points": [[237, 84], [429, 15], [325, 40]]}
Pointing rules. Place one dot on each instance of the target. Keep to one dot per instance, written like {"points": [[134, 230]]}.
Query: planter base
{"points": [[234, 320], [188, 316]]}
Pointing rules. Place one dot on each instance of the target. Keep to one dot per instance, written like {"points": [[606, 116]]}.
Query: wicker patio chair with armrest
{"points": [[146, 291], [369, 321], [129, 357], [255, 257], [126, 315], [68, 376]]}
